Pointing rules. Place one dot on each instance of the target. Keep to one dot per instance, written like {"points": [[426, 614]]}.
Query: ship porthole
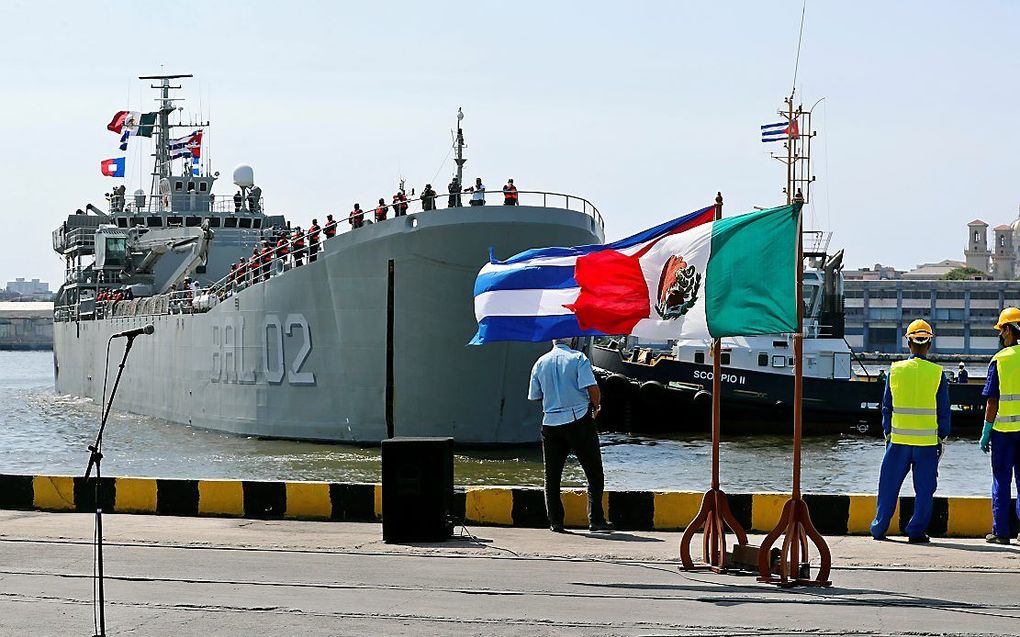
{"points": [[414, 222]]}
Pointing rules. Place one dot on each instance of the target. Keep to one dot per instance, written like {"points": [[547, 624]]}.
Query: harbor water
{"points": [[42, 432]]}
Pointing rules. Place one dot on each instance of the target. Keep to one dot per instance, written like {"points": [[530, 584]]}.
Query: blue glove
{"points": [[986, 437]]}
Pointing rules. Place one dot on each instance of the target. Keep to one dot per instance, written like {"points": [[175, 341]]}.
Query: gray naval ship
{"points": [[367, 341]]}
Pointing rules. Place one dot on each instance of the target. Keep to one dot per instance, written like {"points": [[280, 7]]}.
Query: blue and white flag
{"points": [[780, 132]]}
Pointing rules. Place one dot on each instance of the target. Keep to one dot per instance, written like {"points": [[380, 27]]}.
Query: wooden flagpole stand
{"points": [[795, 521], [715, 514]]}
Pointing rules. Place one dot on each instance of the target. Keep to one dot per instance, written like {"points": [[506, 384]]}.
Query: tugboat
{"points": [[363, 341], [665, 387]]}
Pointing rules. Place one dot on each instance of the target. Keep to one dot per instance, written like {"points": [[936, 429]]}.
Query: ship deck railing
{"points": [[283, 258]]}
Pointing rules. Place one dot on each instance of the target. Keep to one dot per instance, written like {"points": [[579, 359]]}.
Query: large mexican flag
{"points": [[693, 277]]}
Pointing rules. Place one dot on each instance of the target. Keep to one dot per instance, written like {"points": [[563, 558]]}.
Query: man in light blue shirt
{"points": [[562, 379]]}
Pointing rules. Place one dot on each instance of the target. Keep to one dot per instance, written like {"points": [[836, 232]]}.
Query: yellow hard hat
{"points": [[1007, 316], [919, 330]]}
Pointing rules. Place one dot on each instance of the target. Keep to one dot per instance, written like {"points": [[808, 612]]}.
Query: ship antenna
{"points": [[800, 39], [460, 148]]}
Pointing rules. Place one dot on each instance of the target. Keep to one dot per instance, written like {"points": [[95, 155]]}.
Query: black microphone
{"points": [[145, 329]]}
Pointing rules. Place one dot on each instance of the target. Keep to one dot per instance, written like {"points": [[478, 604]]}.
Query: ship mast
{"points": [[798, 150], [162, 165], [459, 142]]}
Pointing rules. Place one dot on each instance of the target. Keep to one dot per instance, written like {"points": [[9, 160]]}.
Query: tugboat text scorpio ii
{"points": [[267, 330]]}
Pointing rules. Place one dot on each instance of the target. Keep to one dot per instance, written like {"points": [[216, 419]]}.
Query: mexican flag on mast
{"points": [[692, 277]]}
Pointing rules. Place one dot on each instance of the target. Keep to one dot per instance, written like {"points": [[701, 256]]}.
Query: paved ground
{"points": [[188, 576]]}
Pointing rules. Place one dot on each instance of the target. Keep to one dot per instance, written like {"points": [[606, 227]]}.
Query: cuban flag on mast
{"points": [[780, 131], [695, 277], [112, 167]]}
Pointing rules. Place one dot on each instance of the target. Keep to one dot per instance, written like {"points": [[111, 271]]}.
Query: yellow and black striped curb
{"points": [[505, 506]]}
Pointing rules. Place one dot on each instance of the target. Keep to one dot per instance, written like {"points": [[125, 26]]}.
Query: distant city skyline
{"points": [[646, 111]]}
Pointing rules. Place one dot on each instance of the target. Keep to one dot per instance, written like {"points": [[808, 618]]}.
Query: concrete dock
{"points": [[218, 576]]}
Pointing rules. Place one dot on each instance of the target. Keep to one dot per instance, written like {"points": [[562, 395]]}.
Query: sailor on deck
{"points": [[428, 198], [329, 229], [357, 216], [510, 193], [455, 190], [477, 193], [381, 210], [297, 244], [313, 240], [915, 419], [1001, 432]]}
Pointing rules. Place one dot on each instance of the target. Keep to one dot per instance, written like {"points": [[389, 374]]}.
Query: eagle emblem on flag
{"points": [[679, 284]]}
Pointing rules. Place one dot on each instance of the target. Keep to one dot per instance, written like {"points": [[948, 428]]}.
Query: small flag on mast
{"points": [[112, 167], [779, 132]]}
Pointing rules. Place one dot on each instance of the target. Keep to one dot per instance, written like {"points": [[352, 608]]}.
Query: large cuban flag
{"points": [[692, 277]]}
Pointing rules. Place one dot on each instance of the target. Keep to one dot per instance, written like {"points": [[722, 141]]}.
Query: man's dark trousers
{"points": [[558, 441]]}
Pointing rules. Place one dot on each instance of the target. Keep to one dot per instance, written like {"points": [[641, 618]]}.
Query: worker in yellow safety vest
{"points": [[916, 420], [1001, 433]]}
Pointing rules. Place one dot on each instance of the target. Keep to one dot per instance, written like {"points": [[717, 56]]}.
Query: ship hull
{"points": [[675, 396], [368, 342]]}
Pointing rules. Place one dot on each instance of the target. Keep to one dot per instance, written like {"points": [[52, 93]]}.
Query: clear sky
{"points": [[645, 108]]}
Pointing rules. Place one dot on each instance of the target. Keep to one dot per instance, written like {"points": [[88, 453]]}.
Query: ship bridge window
{"points": [[763, 359], [202, 187], [779, 361], [724, 359], [179, 185], [154, 222], [116, 250], [192, 222], [699, 357], [214, 222], [137, 221], [256, 223], [245, 223], [173, 221], [230, 222]]}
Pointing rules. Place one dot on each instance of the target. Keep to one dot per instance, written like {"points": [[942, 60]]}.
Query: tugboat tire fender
{"points": [[652, 390], [617, 384]]}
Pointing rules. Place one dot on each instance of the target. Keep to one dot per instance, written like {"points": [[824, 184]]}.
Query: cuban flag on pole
{"points": [[693, 277], [112, 167], [780, 131]]}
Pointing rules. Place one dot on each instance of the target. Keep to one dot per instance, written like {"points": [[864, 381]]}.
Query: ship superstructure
{"points": [[365, 342]]}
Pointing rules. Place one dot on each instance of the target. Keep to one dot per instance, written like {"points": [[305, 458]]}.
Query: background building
{"points": [[28, 289], [998, 259], [26, 325], [962, 313]]}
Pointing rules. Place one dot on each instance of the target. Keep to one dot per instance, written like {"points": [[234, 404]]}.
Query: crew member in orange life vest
{"points": [[330, 228], [297, 243], [357, 216], [510, 193], [915, 418], [313, 240], [282, 248], [267, 259], [399, 204], [380, 212]]}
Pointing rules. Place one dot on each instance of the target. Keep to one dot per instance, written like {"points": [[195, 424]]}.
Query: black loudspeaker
{"points": [[417, 489]]}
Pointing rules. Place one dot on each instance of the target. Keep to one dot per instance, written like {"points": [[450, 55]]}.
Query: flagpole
{"points": [[715, 514], [795, 520]]}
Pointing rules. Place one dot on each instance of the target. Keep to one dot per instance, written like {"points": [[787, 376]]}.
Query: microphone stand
{"points": [[95, 459]]}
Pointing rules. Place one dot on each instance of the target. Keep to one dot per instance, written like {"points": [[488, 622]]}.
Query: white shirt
{"points": [[479, 193]]}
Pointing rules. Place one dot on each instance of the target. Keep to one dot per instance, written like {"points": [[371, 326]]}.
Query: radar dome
{"points": [[244, 176]]}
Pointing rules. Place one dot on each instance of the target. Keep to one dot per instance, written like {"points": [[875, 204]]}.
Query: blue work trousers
{"points": [[923, 463], [1005, 469]]}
